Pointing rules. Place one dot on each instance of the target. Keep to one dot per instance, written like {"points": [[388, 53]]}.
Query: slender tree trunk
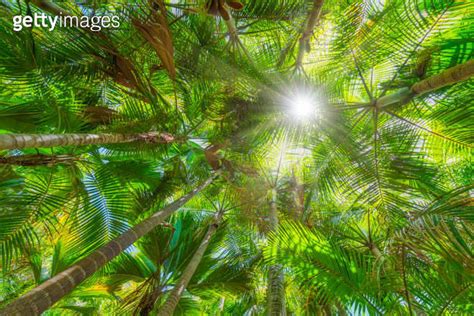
{"points": [[38, 160], [150, 301], [313, 19], [374, 250], [172, 301], [297, 191], [45, 295], [21, 141], [231, 28], [341, 311], [447, 77], [275, 287]]}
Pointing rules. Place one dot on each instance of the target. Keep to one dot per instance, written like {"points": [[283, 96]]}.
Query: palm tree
{"points": [[448, 77], [178, 289], [45, 295], [275, 287], [366, 105], [380, 276], [21, 141], [160, 268]]}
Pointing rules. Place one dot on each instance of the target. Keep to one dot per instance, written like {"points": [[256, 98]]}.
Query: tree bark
{"points": [[172, 301], [448, 77], [38, 160], [374, 250], [445, 78], [313, 19], [21, 141], [275, 287], [150, 302], [45, 295]]}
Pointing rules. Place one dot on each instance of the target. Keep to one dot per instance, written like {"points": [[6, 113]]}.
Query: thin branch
{"points": [[313, 19], [280, 161], [405, 284], [376, 158]]}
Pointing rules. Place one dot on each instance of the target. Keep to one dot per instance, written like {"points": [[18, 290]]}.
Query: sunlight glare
{"points": [[303, 106]]}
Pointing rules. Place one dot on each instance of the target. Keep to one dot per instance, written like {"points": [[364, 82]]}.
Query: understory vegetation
{"points": [[238, 157]]}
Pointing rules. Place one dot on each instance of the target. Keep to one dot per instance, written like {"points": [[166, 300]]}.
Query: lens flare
{"points": [[304, 106]]}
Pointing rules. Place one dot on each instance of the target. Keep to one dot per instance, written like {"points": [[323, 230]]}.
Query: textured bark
{"points": [[275, 287], [276, 291], [313, 19], [448, 77], [172, 301], [45, 295], [150, 301], [38, 160], [21, 141], [375, 250], [297, 191]]}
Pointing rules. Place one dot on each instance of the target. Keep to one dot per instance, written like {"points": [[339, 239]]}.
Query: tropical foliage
{"points": [[252, 157]]}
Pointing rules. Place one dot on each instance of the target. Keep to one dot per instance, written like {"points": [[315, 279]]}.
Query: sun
{"points": [[303, 105]]}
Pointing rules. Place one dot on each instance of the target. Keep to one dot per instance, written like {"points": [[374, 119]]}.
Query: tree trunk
{"points": [[45, 295], [374, 250], [21, 141], [447, 77], [297, 190], [172, 301], [275, 287], [150, 302], [401, 96], [313, 19], [38, 160]]}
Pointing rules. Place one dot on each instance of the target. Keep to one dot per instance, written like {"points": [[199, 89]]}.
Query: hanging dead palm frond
{"points": [[156, 32]]}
